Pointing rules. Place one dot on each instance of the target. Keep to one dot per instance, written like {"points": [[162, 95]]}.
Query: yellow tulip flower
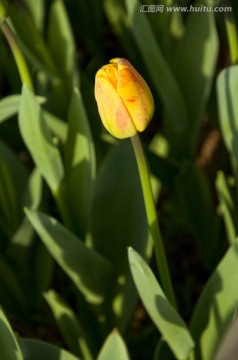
{"points": [[124, 100]]}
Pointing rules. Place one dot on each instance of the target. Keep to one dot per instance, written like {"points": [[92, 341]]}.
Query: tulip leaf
{"points": [[56, 126], [113, 348], [33, 192], [39, 141], [91, 24], [195, 70], [193, 192], [216, 306], [9, 106], [62, 45], [31, 38], [235, 11], [70, 328], [12, 295], [227, 193], [9, 348], [162, 313], [231, 32], [41, 276], [118, 19], [163, 26], [164, 168], [13, 178], [84, 266], [76, 190], [176, 116], [21, 264], [37, 10], [38, 350], [227, 84], [118, 220]]}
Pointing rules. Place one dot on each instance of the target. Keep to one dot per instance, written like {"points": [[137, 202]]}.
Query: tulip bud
{"points": [[124, 100]]}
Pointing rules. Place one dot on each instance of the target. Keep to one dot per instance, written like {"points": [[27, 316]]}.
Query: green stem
{"points": [[152, 220], [17, 53]]}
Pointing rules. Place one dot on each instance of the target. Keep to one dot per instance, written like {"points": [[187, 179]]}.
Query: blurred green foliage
{"points": [[70, 195]]}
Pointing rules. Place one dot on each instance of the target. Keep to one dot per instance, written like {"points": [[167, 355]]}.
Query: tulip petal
{"points": [[135, 93], [113, 112]]}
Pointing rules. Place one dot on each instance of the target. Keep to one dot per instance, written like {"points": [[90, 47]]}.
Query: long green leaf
{"points": [[195, 69], [76, 191], [229, 209], [163, 26], [216, 306], [9, 106], [113, 348], [12, 294], [118, 220], [227, 84], [39, 350], [39, 141], [33, 192], [56, 126], [26, 254], [164, 168], [70, 328], [15, 262], [234, 11], [37, 9], [193, 192], [31, 38], [9, 348], [13, 178], [164, 316], [62, 45], [87, 269]]}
